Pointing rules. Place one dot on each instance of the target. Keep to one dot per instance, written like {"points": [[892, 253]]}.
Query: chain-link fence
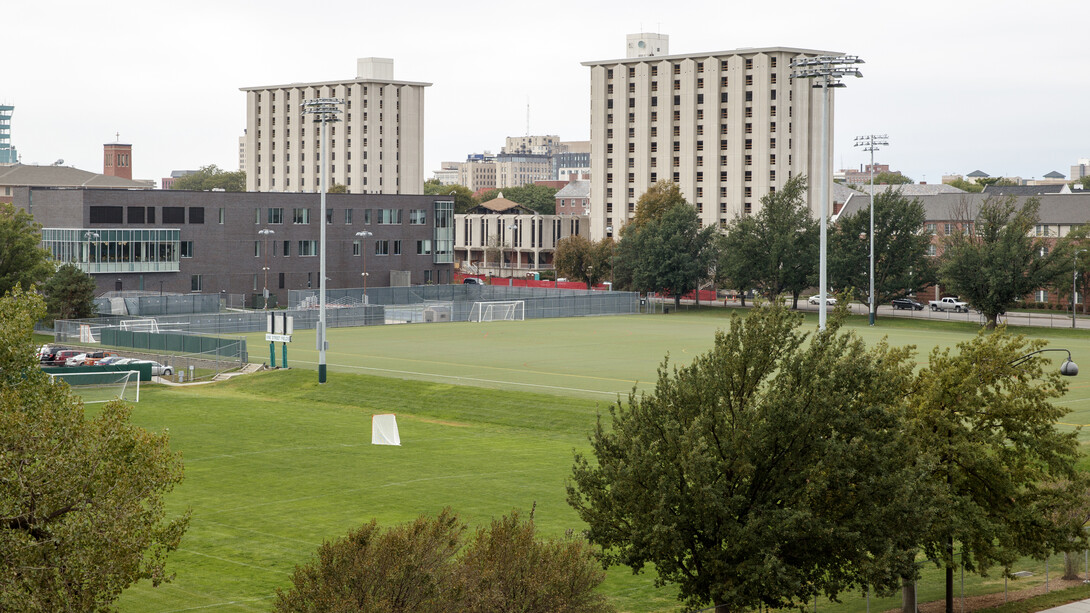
{"points": [[143, 304]]}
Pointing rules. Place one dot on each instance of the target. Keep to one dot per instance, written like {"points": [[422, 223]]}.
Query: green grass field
{"points": [[489, 415]]}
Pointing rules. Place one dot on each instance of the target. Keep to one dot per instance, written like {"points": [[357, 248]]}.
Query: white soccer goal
{"points": [[498, 310], [96, 387], [140, 325]]}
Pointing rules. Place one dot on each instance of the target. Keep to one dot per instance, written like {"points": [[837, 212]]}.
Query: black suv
{"points": [[906, 303]]}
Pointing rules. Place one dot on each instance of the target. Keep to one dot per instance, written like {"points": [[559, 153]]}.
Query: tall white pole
{"points": [[873, 306], [823, 305], [321, 268]]}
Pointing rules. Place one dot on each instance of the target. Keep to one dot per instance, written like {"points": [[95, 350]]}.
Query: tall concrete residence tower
{"points": [[377, 147], [117, 160], [727, 126]]}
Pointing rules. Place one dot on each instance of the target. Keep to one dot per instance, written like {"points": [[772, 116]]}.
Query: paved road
{"points": [[1079, 606]]}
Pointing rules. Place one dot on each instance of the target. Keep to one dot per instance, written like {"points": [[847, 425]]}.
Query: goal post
{"points": [[140, 325], [498, 310], [97, 387]]}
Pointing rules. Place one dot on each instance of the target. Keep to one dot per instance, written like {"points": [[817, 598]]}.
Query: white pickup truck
{"points": [[949, 303]]}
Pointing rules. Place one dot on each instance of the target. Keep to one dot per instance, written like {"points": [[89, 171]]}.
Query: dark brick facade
{"points": [[223, 228]]}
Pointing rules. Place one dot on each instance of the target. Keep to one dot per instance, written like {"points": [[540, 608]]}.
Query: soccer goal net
{"points": [[140, 325], [498, 310], [95, 387]]}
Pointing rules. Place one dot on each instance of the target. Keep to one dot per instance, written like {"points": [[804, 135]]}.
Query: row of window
{"points": [[699, 67], [275, 215], [723, 82], [141, 214], [699, 146]]}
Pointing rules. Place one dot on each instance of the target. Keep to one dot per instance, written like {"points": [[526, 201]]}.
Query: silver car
{"points": [[157, 369]]}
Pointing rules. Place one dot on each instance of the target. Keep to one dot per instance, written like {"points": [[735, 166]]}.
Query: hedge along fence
{"points": [[145, 369], [175, 342]]}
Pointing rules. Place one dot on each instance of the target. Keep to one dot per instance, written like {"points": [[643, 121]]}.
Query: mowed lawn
{"points": [[489, 415]]}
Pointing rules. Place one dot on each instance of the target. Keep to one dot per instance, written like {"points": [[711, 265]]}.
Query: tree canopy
{"points": [[81, 500], [890, 178], [540, 198], [775, 250], [70, 293], [1001, 477], [901, 263], [463, 196], [579, 258], [995, 261], [212, 177], [767, 472], [426, 566], [654, 203], [671, 254], [23, 261]]}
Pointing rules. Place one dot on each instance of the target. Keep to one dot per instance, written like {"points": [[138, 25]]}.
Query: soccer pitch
{"points": [[489, 415]]}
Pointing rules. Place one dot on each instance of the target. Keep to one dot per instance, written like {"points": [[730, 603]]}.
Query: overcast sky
{"points": [[1000, 86]]}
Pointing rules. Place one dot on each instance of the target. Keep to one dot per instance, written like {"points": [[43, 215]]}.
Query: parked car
{"points": [[110, 359], [94, 357], [816, 299], [76, 359], [949, 303], [472, 281], [906, 303], [157, 369], [48, 354], [61, 357]]}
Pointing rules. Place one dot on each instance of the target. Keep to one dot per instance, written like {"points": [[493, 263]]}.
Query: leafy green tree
{"points": [[508, 568], [967, 186], [999, 181], [539, 198], [1083, 182], [654, 203], [212, 177], [70, 293], [775, 250], [767, 472], [984, 416], [416, 567], [579, 258], [1076, 249], [995, 261], [23, 262], [337, 188], [671, 254], [81, 500], [464, 199], [901, 263], [890, 178]]}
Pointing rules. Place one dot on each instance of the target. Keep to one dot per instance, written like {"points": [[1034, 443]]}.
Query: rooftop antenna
{"points": [[117, 137]]}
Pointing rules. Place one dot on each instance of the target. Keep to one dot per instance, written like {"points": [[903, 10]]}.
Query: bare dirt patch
{"points": [[988, 601]]}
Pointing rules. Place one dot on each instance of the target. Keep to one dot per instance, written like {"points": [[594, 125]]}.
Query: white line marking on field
{"points": [[272, 570], [275, 536], [218, 604]]}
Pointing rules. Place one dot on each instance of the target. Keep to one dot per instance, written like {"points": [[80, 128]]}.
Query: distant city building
{"points": [[518, 169], [242, 151], [573, 199], [1080, 169], [522, 160], [478, 173], [542, 145], [377, 146], [863, 175], [168, 182], [117, 160], [447, 174], [8, 154], [727, 126]]}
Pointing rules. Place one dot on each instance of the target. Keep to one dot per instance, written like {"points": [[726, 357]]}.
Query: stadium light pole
{"points": [[265, 292], [324, 111], [514, 245], [363, 251], [612, 253], [1074, 285], [826, 72], [870, 143]]}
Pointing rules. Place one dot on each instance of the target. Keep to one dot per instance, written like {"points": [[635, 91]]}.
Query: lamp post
{"points": [[514, 246], [1074, 285], [826, 70], [870, 143], [612, 253], [1068, 369], [265, 292], [90, 235], [363, 251], [325, 111]]}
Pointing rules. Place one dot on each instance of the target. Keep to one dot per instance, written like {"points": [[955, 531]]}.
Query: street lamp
{"points": [[265, 293], [325, 111], [612, 253], [826, 70], [1074, 288], [1067, 369], [363, 251], [871, 142], [90, 235]]}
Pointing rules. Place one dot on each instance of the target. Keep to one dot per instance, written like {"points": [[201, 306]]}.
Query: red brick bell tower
{"points": [[117, 160]]}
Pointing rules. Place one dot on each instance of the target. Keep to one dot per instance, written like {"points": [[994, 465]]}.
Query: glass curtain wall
{"points": [[112, 251]]}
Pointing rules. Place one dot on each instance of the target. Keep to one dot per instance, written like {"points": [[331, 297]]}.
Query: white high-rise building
{"points": [[377, 147], [727, 126]]}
